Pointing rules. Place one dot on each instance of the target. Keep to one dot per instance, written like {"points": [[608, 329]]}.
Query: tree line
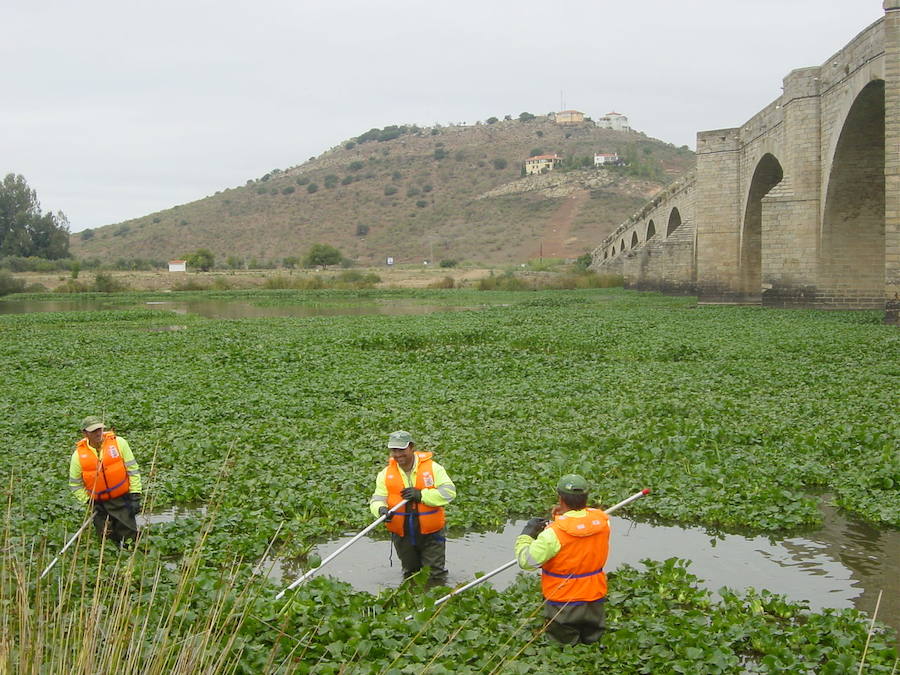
{"points": [[24, 230]]}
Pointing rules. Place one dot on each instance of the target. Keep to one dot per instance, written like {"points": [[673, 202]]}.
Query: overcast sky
{"points": [[112, 110]]}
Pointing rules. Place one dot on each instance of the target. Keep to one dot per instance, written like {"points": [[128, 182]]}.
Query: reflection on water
{"points": [[233, 309], [843, 565]]}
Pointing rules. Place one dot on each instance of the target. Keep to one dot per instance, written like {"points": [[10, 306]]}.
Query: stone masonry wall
{"points": [[800, 206]]}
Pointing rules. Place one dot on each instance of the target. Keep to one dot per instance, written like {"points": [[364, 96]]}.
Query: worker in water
{"points": [[417, 527], [103, 470], [571, 552]]}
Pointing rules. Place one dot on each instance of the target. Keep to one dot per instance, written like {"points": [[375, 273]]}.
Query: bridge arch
{"points": [[651, 230], [852, 244], [634, 239], [674, 222], [768, 174]]}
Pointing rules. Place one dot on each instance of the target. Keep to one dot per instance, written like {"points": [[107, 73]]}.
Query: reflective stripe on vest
{"points": [[106, 477], [429, 521], [575, 574]]}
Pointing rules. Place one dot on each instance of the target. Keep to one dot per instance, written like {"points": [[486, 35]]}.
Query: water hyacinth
{"points": [[735, 416]]}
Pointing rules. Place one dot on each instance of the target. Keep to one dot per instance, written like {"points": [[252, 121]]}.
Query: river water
{"points": [[235, 309], [844, 564]]}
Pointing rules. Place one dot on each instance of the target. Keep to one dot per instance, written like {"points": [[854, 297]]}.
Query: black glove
{"points": [[411, 494], [535, 526], [135, 503], [384, 511]]}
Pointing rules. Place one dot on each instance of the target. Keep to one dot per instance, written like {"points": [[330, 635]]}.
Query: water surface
{"points": [[236, 309], [843, 565]]}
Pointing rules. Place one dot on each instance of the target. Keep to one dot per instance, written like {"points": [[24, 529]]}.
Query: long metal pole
{"points": [[64, 548], [334, 555], [504, 566]]}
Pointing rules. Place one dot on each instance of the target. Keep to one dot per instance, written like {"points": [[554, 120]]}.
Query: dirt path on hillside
{"points": [[556, 237]]}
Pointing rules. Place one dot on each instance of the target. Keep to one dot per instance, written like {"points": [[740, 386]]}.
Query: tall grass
{"points": [[110, 610]]}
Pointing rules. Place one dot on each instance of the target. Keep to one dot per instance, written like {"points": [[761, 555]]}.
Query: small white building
{"points": [[178, 265], [615, 121], [601, 158]]}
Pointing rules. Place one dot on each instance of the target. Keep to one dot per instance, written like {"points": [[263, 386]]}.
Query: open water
{"points": [[844, 564]]}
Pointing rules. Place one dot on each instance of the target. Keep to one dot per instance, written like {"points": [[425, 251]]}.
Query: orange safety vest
{"points": [[575, 574], [105, 477], [430, 520]]}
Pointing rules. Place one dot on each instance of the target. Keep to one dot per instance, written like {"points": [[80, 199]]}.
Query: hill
{"points": [[453, 192]]}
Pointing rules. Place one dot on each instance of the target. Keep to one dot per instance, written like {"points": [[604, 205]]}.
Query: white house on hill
{"points": [[615, 121]]}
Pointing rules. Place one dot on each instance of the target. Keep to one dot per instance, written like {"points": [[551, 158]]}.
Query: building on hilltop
{"points": [[614, 121], [611, 158], [541, 164], [569, 117]]}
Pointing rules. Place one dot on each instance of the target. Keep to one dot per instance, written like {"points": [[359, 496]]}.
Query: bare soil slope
{"points": [[440, 193]]}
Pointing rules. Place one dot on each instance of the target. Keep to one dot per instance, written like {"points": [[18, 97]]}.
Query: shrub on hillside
{"points": [[499, 163], [287, 190], [447, 263], [526, 117], [390, 190], [421, 203], [331, 180], [312, 187], [356, 165], [362, 230], [440, 153], [303, 180]]}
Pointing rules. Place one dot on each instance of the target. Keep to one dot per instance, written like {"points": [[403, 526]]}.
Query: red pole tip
{"points": [[645, 491]]}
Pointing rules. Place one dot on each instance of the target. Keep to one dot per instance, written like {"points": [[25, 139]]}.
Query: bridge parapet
{"points": [[670, 193], [799, 206]]}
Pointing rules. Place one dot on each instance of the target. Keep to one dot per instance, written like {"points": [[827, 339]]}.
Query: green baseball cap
{"points": [[400, 439], [572, 484], [92, 423]]}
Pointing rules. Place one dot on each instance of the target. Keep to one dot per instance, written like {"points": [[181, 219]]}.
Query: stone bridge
{"points": [[800, 206]]}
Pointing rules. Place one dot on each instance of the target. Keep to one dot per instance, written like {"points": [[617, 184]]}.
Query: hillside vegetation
{"points": [[414, 193]]}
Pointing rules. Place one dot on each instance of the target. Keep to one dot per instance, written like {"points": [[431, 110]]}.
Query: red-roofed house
{"points": [[541, 163]]}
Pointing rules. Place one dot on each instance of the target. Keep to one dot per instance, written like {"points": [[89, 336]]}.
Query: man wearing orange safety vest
{"points": [[417, 528], [103, 471], [571, 552]]}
